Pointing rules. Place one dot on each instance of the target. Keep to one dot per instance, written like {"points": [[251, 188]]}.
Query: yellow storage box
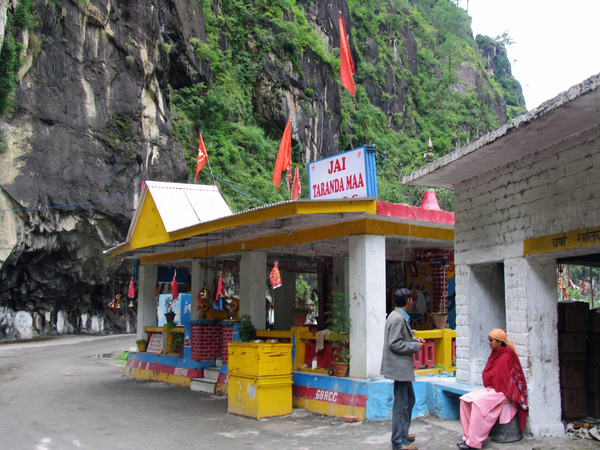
{"points": [[258, 359], [260, 397]]}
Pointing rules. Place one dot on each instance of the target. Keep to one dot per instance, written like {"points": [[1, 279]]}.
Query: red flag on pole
{"points": [[174, 288], [297, 189], [131, 292], [346, 64], [284, 156], [202, 156]]}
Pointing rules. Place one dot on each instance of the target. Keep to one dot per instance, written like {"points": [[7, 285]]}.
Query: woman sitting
{"points": [[505, 394]]}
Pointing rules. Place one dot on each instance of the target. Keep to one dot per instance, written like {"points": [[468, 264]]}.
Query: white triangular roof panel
{"points": [[183, 205]]}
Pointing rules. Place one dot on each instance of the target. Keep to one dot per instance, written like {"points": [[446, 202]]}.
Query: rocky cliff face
{"points": [[90, 122], [91, 119]]}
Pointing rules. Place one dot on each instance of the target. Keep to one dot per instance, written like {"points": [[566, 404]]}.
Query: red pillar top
{"points": [[430, 200]]}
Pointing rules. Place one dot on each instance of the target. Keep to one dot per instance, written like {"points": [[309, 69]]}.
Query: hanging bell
{"points": [[131, 305]]}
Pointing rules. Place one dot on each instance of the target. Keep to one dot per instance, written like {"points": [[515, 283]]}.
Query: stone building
{"points": [[527, 197]]}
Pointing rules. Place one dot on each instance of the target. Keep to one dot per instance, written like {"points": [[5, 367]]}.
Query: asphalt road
{"points": [[69, 393]]}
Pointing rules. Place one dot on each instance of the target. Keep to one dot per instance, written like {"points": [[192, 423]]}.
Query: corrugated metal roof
{"points": [[185, 205]]}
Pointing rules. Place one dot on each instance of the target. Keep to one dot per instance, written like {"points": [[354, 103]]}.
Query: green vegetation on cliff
{"points": [[440, 102], [17, 21], [511, 88]]}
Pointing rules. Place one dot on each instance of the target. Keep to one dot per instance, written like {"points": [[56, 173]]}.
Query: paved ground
{"points": [[68, 393]]}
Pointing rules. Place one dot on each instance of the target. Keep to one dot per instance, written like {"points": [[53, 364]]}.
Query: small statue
{"points": [[202, 295], [210, 313]]}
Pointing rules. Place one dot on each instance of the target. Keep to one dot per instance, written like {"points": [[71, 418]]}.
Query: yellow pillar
{"points": [[299, 347], [443, 348]]}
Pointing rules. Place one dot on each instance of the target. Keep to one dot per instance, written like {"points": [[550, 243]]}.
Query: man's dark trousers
{"points": [[404, 400]]}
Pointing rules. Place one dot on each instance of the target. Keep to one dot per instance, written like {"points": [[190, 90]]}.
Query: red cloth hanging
{"points": [[220, 287], [275, 276], [174, 288], [297, 189], [131, 292]]}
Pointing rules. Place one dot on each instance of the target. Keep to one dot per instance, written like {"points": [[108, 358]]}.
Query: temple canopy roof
{"points": [[166, 229]]}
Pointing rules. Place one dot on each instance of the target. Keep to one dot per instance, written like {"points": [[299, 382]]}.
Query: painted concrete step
{"points": [[212, 373], [203, 385]]}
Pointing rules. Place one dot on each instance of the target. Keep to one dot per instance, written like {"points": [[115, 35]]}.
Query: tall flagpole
{"points": [[211, 171], [210, 167]]}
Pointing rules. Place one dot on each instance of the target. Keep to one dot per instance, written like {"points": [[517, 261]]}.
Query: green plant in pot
{"points": [[174, 338], [339, 324], [169, 310], [177, 344], [247, 331], [142, 344]]}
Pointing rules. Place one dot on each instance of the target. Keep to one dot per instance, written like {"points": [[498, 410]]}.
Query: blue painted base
{"points": [[436, 396], [169, 360]]}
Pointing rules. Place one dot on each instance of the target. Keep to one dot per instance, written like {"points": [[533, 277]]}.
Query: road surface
{"points": [[69, 393]]}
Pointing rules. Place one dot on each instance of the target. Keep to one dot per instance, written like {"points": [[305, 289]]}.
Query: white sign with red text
{"points": [[339, 176], [156, 344]]}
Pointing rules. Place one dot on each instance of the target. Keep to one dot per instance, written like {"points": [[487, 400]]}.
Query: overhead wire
{"points": [[69, 205]]}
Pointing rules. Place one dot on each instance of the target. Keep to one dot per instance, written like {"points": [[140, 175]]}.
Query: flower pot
{"points": [[299, 318], [142, 347], [440, 319], [340, 369], [170, 317]]}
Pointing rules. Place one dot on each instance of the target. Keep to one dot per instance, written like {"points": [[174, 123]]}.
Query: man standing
{"points": [[399, 346]]}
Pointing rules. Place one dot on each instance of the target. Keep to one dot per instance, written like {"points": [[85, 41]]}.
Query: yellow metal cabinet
{"points": [[258, 359], [260, 397]]}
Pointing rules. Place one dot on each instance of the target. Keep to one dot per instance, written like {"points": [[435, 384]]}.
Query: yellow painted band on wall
{"points": [[358, 227], [329, 409], [562, 241], [143, 374], [149, 229], [278, 212]]}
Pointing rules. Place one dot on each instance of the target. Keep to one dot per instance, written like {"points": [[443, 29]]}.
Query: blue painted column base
{"points": [[438, 397]]}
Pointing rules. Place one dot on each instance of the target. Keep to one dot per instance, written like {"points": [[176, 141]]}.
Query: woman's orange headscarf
{"points": [[500, 335]]}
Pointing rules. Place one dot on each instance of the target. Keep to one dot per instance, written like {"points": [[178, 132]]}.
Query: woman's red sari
{"points": [[504, 374]]}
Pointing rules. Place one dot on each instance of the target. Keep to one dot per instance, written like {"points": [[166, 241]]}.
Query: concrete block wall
{"points": [[515, 278], [542, 370], [463, 355], [532, 196]]}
